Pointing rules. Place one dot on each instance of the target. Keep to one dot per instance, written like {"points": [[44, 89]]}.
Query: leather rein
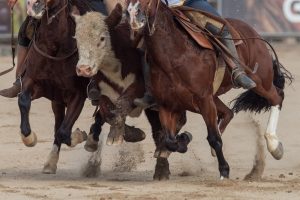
{"points": [[49, 21]]}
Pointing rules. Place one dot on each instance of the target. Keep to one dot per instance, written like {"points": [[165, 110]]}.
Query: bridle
{"points": [[49, 21]]}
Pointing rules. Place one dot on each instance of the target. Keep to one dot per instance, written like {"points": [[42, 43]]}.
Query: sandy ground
{"points": [[127, 170]]}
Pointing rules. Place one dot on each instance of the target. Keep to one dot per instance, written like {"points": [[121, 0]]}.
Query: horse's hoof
{"points": [[171, 144], [224, 171], [133, 134], [77, 137], [278, 152], [162, 171], [30, 140], [162, 154], [161, 177], [183, 140], [91, 145]]}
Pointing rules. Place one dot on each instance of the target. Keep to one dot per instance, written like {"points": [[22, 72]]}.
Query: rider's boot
{"points": [[147, 100], [240, 77], [16, 88]]}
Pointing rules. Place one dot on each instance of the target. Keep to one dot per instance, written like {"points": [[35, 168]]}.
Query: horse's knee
{"points": [[64, 136], [171, 144]]}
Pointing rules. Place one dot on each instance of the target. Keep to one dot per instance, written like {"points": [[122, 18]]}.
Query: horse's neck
{"points": [[162, 24]]}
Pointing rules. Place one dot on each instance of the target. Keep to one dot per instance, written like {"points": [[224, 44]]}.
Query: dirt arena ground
{"points": [[127, 170]]}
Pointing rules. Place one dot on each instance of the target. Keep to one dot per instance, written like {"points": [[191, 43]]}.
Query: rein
{"points": [[49, 56], [152, 28], [49, 21]]}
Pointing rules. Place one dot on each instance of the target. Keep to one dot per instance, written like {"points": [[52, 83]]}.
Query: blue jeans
{"points": [[97, 6], [202, 5]]}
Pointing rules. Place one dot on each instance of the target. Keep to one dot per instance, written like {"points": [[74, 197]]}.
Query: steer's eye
{"points": [[102, 39]]}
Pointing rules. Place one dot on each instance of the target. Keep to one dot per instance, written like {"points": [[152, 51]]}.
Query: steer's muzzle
{"points": [[84, 70]]}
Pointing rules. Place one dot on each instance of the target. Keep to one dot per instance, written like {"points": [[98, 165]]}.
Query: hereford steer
{"points": [[106, 54]]}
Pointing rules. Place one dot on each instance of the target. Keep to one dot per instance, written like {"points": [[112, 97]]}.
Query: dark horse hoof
{"points": [[133, 134], [162, 171], [171, 144], [224, 171], [183, 140]]}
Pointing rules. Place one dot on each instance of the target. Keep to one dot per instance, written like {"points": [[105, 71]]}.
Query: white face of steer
{"points": [[93, 42]]}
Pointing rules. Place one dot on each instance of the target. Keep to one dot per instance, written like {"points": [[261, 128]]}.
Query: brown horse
{"points": [[106, 54], [50, 73], [182, 76]]}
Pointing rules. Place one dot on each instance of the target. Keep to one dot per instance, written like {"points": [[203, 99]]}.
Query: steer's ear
{"points": [[115, 16]]}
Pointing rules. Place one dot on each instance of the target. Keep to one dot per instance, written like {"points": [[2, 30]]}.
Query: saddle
{"points": [[195, 22]]}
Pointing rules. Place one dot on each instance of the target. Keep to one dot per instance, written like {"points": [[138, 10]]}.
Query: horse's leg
{"points": [[91, 144], [275, 98], [24, 101], [170, 120], [209, 114], [74, 109], [225, 115], [162, 171], [50, 165]]}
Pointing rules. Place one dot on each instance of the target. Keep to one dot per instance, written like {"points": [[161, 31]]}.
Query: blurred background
{"points": [[271, 18]]}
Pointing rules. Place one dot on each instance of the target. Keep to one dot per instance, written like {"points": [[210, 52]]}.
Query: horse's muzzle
{"points": [[84, 70]]}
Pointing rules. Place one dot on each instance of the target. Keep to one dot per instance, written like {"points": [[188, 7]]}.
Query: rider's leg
{"points": [[97, 6], [147, 100], [22, 50], [239, 76], [201, 5]]}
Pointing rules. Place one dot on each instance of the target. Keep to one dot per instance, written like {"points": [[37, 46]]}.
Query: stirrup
{"points": [[240, 79]]}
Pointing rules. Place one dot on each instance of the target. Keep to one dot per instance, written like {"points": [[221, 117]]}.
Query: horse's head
{"points": [[93, 43], [37, 8], [140, 12]]}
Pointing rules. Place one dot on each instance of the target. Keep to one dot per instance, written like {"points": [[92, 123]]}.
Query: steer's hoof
{"points": [[117, 140], [51, 164], [91, 145], [77, 137], [115, 135], [278, 152], [30, 140], [133, 134]]}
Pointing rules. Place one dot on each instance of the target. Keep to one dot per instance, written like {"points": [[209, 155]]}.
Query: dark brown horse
{"points": [[105, 52], [182, 76], [50, 73]]}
